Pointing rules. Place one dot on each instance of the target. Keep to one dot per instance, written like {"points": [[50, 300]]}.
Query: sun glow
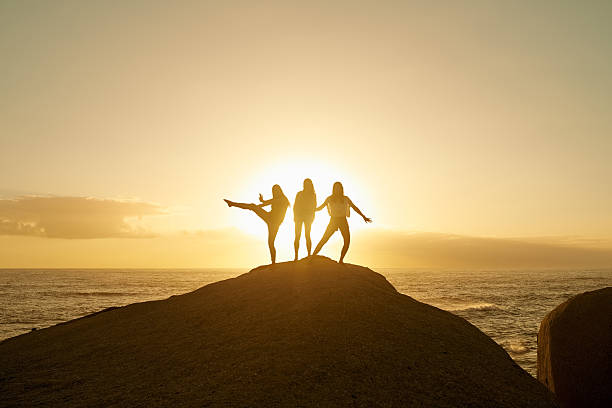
{"points": [[290, 175]]}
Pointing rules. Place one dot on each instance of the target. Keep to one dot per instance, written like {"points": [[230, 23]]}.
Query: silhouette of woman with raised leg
{"points": [[273, 218], [338, 206], [304, 213]]}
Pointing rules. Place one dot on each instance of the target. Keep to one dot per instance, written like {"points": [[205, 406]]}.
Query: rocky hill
{"points": [[307, 333]]}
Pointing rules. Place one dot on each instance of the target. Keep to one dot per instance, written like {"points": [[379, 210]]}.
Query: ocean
{"points": [[506, 305]]}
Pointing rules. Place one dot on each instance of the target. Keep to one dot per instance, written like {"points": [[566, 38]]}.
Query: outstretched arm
{"points": [[319, 208], [358, 211]]}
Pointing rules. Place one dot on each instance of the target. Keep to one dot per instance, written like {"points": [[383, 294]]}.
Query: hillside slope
{"points": [[307, 333]]}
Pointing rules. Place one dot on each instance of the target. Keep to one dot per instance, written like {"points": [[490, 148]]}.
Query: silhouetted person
{"points": [[274, 218], [338, 206], [304, 213]]}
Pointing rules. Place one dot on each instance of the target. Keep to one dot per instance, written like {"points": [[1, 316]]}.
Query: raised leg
{"points": [[245, 206], [346, 234], [263, 214]]}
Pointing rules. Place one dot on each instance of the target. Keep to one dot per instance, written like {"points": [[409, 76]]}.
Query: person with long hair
{"points": [[338, 206], [273, 218], [303, 214]]}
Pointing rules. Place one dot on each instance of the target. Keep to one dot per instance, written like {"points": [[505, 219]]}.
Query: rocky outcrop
{"points": [[575, 350], [307, 333]]}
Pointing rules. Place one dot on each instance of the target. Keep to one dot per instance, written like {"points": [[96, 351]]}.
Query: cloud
{"points": [[421, 249], [74, 217], [227, 247], [392, 248], [232, 248]]}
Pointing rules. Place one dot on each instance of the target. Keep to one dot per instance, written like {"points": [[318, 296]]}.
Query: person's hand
{"points": [[366, 219], [261, 198]]}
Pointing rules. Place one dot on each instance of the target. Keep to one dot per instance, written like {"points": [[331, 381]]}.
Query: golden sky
{"points": [[124, 124]]}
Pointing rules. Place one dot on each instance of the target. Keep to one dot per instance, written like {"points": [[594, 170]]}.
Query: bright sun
{"points": [[290, 175]]}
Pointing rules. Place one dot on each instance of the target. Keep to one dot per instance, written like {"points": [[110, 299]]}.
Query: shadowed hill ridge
{"points": [[307, 333]]}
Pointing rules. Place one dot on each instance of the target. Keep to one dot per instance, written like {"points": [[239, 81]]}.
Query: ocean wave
{"points": [[478, 307], [516, 348], [88, 294], [17, 322]]}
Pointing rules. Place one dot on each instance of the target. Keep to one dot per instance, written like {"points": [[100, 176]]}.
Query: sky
{"points": [[123, 124]]}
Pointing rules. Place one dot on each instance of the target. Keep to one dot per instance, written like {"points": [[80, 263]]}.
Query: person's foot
{"points": [[341, 261], [296, 259], [228, 202]]}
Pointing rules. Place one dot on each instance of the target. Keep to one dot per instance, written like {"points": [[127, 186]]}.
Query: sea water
{"points": [[506, 305]]}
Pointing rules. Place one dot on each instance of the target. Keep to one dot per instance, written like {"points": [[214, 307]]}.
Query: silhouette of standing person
{"points": [[273, 218], [304, 213], [338, 206]]}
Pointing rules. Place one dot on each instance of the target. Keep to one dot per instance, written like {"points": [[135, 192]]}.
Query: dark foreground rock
{"points": [[575, 350], [312, 333]]}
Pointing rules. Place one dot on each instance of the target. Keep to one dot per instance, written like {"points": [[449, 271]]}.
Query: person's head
{"points": [[308, 186], [338, 190], [277, 191]]}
